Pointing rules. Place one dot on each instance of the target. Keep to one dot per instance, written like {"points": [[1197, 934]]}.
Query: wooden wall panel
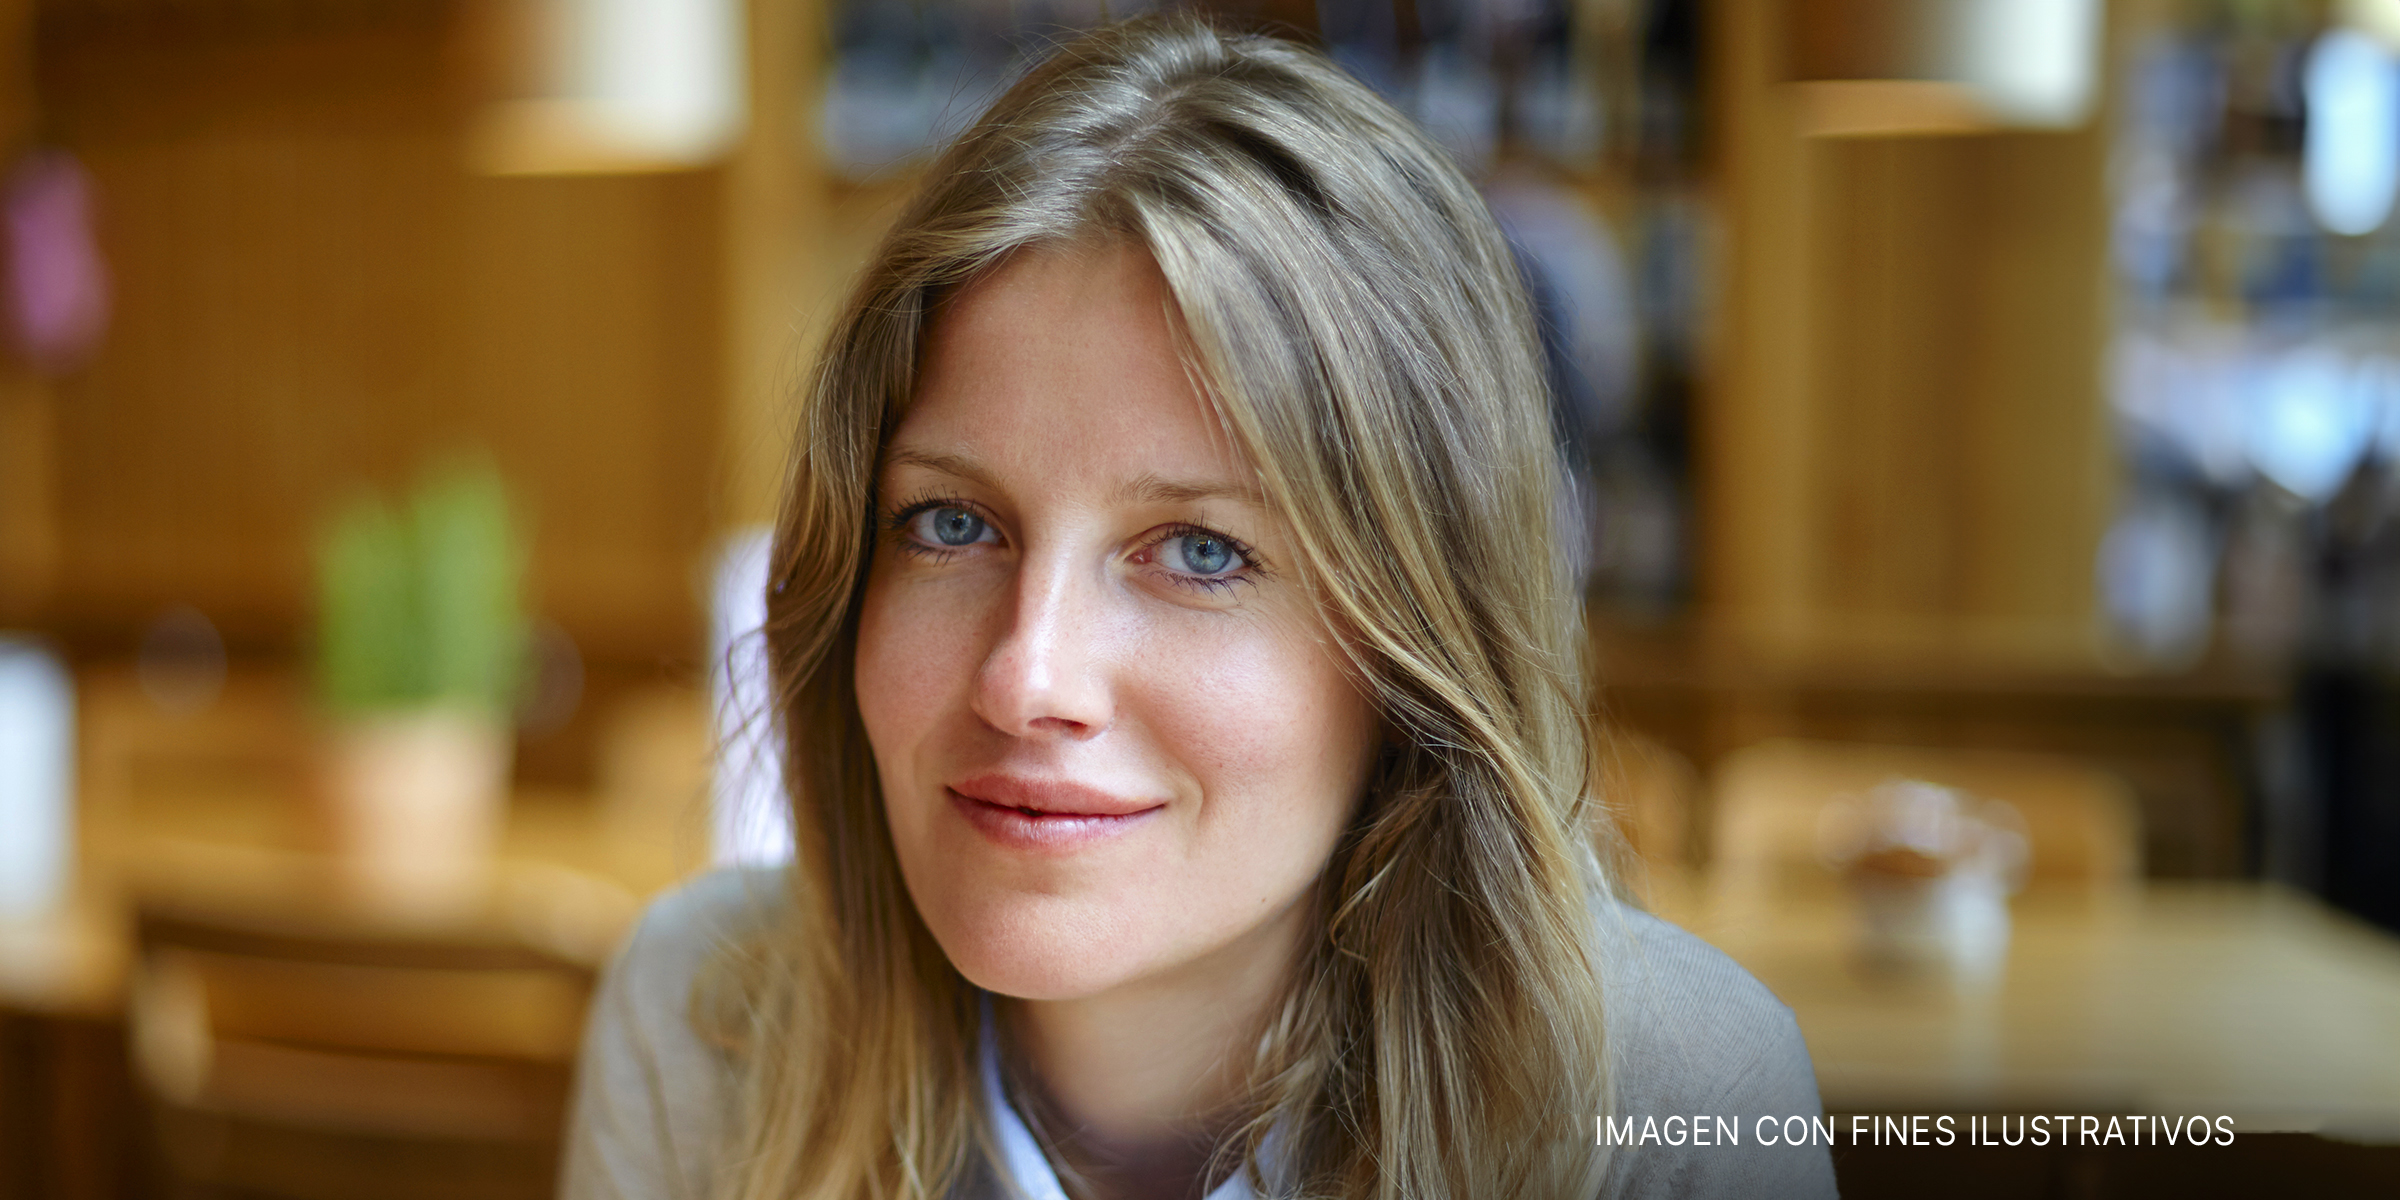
{"points": [[313, 294], [28, 526], [1904, 449]]}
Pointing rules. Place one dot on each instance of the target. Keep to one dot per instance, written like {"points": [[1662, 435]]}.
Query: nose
{"points": [[1044, 676]]}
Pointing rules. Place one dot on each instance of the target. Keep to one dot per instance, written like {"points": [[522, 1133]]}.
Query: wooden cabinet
{"points": [[314, 294], [1903, 447]]}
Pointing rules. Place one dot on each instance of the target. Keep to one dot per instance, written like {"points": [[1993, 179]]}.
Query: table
{"points": [[563, 878], [215, 809], [2233, 998], [2223, 998], [568, 877]]}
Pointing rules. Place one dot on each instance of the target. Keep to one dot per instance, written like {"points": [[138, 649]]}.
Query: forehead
{"points": [[1065, 353]]}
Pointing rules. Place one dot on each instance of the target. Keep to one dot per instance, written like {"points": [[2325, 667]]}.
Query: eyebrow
{"points": [[1145, 489], [1153, 490], [947, 464]]}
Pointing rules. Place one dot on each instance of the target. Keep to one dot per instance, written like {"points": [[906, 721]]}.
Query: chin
{"points": [[1035, 947]]}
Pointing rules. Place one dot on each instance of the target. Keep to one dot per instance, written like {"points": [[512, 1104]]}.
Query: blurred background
{"points": [[1983, 421]]}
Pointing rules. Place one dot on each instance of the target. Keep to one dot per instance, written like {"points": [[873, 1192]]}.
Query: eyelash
{"points": [[896, 525], [1253, 567]]}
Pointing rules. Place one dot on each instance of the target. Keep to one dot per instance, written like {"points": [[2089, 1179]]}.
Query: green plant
{"points": [[418, 604]]}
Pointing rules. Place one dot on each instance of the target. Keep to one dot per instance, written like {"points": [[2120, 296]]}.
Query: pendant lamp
{"points": [[590, 86], [1865, 68]]}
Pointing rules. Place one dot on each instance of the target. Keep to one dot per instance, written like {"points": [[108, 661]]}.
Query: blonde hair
{"points": [[1356, 319]]}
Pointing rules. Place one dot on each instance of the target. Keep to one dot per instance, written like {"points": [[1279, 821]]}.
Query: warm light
{"points": [[2380, 18], [2351, 159], [621, 85], [2032, 61], [1890, 67]]}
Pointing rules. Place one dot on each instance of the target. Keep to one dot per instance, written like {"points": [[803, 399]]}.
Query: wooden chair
{"points": [[2080, 822], [296, 1058]]}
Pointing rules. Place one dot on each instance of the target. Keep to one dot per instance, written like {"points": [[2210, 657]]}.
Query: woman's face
{"points": [[1115, 741]]}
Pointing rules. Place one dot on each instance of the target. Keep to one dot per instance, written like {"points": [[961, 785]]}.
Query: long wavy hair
{"points": [[1349, 308]]}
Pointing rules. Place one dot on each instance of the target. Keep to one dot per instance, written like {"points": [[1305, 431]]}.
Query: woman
{"points": [[1188, 760]]}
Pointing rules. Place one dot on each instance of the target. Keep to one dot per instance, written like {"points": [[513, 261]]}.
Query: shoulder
{"points": [[1692, 1034], [1687, 1025], [682, 928], [651, 1096], [649, 985]]}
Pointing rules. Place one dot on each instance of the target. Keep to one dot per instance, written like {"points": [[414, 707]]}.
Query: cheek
{"points": [[1279, 738], [911, 665]]}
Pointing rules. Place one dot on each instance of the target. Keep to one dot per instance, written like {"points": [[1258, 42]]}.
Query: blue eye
{"points": [[949, 526], [1202, 553]]}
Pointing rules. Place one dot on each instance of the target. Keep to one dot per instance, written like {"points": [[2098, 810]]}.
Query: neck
{"points": [[1137, 1086]]}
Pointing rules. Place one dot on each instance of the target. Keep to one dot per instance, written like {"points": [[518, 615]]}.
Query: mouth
{"points": [[1046, 816]]}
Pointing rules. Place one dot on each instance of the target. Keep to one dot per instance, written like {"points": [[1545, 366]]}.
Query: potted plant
{"points": [[420, 652]]}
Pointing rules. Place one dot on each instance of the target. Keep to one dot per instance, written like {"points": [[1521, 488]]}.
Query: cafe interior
{"points": [[1982, 431]]}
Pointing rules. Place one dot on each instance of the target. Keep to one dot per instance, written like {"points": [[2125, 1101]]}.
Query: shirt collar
{"points": [[1024, 1169]]}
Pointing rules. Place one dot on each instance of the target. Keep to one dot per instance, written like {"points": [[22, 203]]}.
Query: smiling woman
{"points": [[1188, 767], [1079, 644]]}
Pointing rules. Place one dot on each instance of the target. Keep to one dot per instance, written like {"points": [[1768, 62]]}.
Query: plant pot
{"points": [[416, 800]]}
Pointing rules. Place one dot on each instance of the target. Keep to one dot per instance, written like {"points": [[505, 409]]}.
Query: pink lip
{"points": [[1044, 815], [1049, 798]]}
